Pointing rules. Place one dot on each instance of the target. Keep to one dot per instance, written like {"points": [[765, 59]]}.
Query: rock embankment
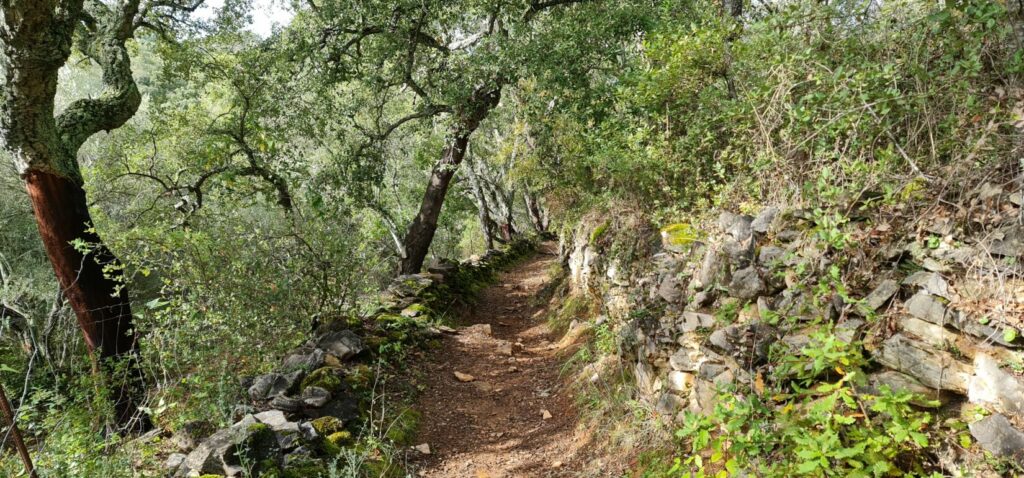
{"points": [[936, 300]]}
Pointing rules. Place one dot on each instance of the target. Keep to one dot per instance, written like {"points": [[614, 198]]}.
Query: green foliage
{"points": [[828, 429]]}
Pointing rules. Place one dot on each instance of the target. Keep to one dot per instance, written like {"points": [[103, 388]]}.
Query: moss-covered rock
{"points": [[327, 425], [327, 378], [675, 237], [341, 438], [599, 232]]}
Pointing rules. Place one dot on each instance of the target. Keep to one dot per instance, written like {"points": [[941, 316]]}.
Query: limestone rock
{"points": [[669, 404], [315, 397], [464, 377], [710, 271], [670, 289], [277, 421], [174, 461], [930, 282], [934, 368], [273, 384], [1008, 241], [769, 255], [764, 220], [286, 403], [685, 360], [901, 382], [992, 386], [310, 360], [691, 321], [746, 284], [935, 335], [702, 398], [703, 299], [996, 435], [926, 307], [735, 225], [343, 344], [224, 452], [881, 294], [680, 381], [748, 343]]}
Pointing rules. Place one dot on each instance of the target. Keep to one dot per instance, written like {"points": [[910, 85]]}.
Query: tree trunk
{"points": [[483, 211], [98, 297], [36, 43], [421, 231], [533, 209]]}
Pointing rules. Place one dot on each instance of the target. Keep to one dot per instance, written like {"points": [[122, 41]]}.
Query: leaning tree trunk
{"points": [[421, 231], [483, 211], [91, 280], [533, 209], [35, 43]]}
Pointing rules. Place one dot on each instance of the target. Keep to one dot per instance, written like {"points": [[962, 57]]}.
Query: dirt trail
{"points": [[495, 426]]}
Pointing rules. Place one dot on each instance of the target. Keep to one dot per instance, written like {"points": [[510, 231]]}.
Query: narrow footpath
{"points": [[497, 405]]}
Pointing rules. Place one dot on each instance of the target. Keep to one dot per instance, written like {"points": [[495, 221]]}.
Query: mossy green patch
{"points": [[404, 428], [599, 232], [305, 469], [327, 425], [341, 438], [679, 234], [324, 377]]}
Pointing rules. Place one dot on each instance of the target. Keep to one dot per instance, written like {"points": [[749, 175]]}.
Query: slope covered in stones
{"points": [[863, 339]]}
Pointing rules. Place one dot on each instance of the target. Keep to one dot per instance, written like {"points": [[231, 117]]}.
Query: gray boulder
{"points": [[224, 452], [764, 220], [1008, 241], [304, 360], [273, 384], [992, 386], [934, 368], [343, 344], [930, 282], [881, 294], [746, 284], [928, 308], [997, 436]]}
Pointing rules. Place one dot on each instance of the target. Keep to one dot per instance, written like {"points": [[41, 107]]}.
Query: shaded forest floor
{"points": [[497, 404]]}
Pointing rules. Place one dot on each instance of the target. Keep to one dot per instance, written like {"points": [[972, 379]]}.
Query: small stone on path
{"points": [[545, 414], [423, 448], [464, 377]]}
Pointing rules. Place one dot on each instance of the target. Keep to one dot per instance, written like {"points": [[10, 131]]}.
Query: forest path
{"points": [[495, 425]]}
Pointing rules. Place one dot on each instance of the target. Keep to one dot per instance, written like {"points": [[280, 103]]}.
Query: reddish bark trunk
{"points": [[99, 299]]}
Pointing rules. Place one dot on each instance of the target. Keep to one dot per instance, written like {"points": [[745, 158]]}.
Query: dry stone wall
{"points": [[937, 302]]}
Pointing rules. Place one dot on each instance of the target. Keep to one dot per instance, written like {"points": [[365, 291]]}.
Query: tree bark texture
{"points": [[35, 41], [421, 232]]}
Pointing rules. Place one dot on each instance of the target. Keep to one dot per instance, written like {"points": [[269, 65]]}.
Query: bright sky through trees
{"points": [[265, 14]]}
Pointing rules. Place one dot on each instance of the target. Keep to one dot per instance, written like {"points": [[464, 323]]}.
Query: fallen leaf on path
{"points": [[464, 377]]}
